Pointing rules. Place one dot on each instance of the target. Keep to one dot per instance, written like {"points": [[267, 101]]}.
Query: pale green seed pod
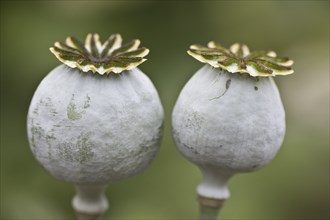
{"points": [[228, 123], [229, 116], [94, 129]]}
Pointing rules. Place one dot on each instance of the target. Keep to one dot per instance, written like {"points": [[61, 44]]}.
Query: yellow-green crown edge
{"points": [[239, 59], [110, 57]]}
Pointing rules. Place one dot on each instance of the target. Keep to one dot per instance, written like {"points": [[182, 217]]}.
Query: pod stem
{"points": [[212, 191], [89, 202], [87, 216], [209, 208]]}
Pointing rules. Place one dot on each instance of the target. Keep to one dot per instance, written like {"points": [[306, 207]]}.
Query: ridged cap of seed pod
{"points": [[239, 59], [110, 57]]}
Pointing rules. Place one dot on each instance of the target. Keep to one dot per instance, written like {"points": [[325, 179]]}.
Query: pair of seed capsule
{"points": [[94, 129]]}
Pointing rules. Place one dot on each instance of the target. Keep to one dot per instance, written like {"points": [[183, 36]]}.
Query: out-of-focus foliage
{"points": [[294, 185]]}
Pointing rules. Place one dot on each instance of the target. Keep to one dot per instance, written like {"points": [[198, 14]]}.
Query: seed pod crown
{"points": [[239, 59], [106, 58]]}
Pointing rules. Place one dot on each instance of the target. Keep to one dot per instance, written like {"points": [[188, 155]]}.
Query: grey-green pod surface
{"points": [[228, 122], [90, 128], [229, 116], [98, 118]]}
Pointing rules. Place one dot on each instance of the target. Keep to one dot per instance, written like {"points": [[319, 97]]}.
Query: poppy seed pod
{"points": [[229, 117], [95, 120]]}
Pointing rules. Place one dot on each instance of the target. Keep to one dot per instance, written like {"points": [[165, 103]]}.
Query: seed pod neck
{"points": [[214, 184], [90, 201]]}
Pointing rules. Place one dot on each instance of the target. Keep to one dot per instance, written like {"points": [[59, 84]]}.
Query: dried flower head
{"points": [[93, 56], [239, 59]]}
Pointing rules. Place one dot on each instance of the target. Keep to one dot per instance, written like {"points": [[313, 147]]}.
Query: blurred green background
{"points": [[295, 185]]}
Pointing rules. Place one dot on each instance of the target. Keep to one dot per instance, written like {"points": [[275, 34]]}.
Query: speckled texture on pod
{"points": [[227, 123], [90, 129], [230, 121]]}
